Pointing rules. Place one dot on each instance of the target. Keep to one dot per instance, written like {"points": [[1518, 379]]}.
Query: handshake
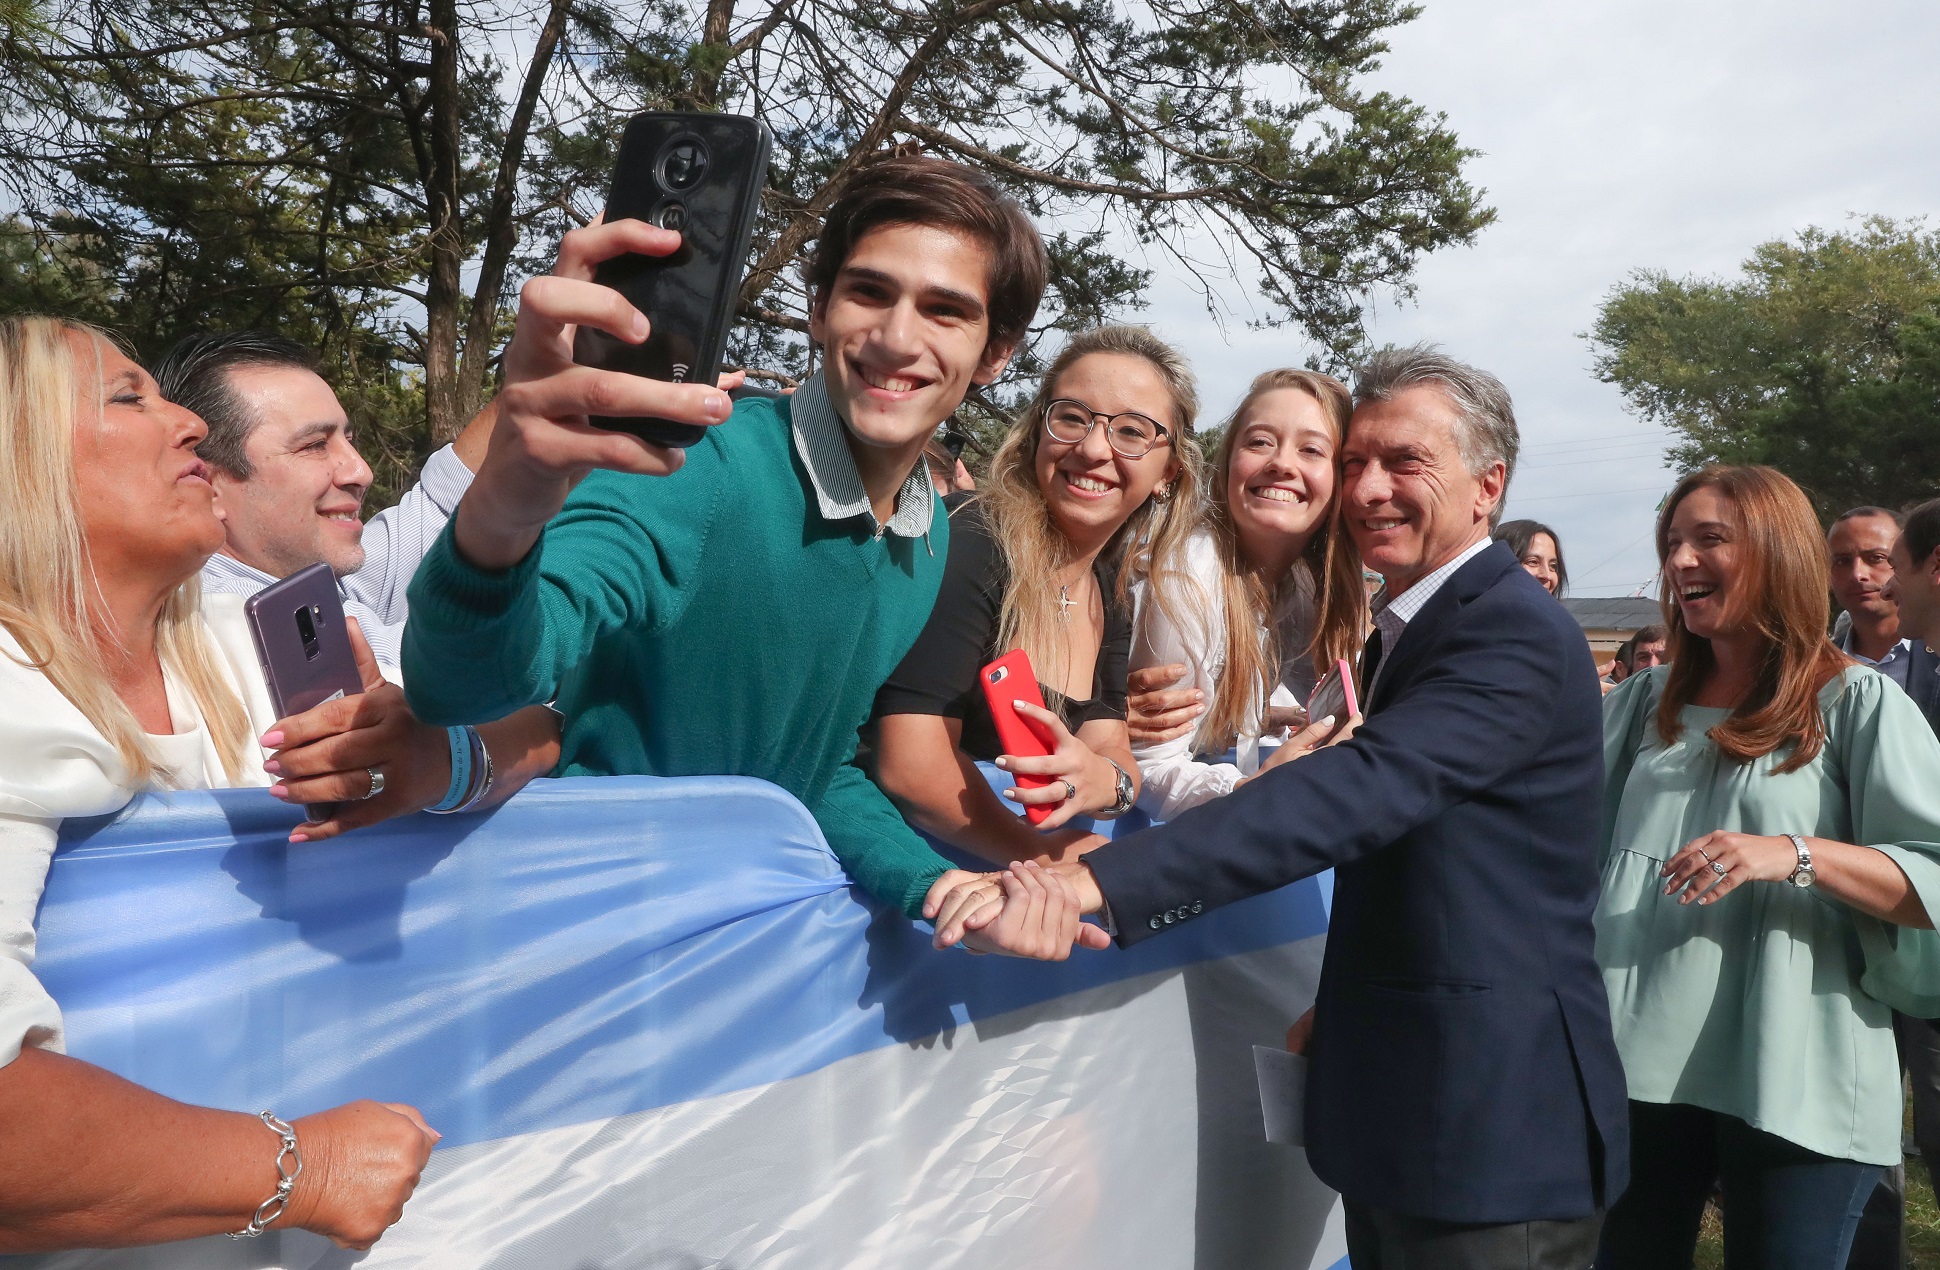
{"points": [[1025, 910]]}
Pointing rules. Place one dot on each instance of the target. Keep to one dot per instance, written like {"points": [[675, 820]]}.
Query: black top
{"points": [[939, 674]]}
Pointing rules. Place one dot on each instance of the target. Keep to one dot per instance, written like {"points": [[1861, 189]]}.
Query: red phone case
{"points": [[1005, 682]]}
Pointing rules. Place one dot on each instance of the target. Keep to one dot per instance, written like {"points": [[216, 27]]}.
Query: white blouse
{"points": [[1172, 778], [54, 764]]}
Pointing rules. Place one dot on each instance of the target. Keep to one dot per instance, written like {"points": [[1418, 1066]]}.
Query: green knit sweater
{"points": [[707, 623]]}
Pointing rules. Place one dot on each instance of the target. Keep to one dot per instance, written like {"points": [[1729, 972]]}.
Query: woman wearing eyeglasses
{"points": [[1103, 458]]}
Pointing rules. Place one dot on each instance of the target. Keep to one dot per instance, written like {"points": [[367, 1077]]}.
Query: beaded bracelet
{"points": [[461, 740]]}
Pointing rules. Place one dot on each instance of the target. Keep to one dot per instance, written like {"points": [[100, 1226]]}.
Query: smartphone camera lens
{"points": [[673, 216], [306, 629], [682, 164]]}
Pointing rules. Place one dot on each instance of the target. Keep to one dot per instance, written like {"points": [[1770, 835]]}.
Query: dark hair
{"points": [[194, 374], [1518, 535], [915, 190], [1921, 529], [1869, 510], [1655, 633]]}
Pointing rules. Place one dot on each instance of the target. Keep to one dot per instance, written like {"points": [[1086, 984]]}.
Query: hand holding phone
{"points": [[303, 645], [542, 446], [700, 175], [1334, 695], [1005, 682]]}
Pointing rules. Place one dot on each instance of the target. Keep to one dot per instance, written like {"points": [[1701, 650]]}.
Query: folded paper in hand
{"points": [[1283, 1094]]}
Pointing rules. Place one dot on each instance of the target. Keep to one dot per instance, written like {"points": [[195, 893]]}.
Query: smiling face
{"points": [[905, 331], [301, 503], [1862, 549], [146, 503], [1090, 488], [1704, 562], [1540, 562], [1280, 476], [1412, 505]]}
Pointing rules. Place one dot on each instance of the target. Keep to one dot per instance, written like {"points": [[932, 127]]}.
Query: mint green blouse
{"points": [[1774, 1004]]}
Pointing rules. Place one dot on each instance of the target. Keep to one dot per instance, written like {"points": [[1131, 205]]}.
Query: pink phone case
{"points": [[1335, 694]]}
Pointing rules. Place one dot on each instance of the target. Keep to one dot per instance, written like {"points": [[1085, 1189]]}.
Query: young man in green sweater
{"points": [[733, 608]]}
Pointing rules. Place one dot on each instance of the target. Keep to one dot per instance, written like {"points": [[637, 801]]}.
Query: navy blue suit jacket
{"points": [[1923, 682], [1462, 1066]]}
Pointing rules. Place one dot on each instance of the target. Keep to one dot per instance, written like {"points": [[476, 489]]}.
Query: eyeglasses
{"points": [[1129, 434]]}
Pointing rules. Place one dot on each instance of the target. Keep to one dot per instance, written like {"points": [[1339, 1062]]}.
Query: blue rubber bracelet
{"points": [[460, 739]]}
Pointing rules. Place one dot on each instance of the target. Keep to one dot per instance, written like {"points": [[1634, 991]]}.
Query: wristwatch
{"points": [[1127, 794], [1802, 876]]}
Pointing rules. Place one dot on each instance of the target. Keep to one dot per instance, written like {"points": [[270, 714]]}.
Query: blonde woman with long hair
{"points": [[1100, 467], [116, 679], [1265, 597]]}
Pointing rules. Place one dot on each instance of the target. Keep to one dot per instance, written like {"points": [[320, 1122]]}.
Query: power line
{"points": [[1614, 437], [1604, 493], [1609, 458]]}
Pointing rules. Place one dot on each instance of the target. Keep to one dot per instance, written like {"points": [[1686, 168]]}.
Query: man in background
{"points": [[1861, 545], [1886, 576], [284, 461], [1640, 652], [291, 486]]}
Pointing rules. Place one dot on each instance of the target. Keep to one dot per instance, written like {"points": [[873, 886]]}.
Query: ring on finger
{"points": [[1070, 791], [376, 783], [1706, 854], [1717, 867]]}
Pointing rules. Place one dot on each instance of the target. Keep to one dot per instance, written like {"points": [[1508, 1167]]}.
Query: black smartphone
{"points": [[303, 647], [701, 174]]}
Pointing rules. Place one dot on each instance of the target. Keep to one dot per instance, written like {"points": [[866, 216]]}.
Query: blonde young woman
{"points": [[1771, 866], [1101, 459], [1267, 595], [115, 679]]}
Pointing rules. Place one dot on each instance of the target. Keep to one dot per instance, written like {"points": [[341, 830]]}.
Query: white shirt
{"points": [[395, 541], [54, 764], [1391, 617], [1171, 778]]}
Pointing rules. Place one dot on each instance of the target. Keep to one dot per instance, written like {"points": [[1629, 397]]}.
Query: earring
{"points": [[1163, 493]]}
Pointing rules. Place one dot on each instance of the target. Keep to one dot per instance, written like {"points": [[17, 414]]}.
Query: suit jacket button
{"points": [[1198, 905], [1156, 923], [1170, 917]]}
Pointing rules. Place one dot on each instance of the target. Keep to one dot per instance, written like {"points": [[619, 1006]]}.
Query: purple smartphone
{"points": [[303, 647]]}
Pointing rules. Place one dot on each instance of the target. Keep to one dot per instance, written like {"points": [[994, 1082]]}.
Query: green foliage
{"points": [[1821, 360], [376, 177]]}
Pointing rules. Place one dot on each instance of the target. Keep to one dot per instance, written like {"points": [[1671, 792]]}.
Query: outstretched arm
{"points": [[89, 1160], [1477, 713]]}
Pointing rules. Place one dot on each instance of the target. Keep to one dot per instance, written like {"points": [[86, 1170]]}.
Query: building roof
{"points": [[1626, 613]]}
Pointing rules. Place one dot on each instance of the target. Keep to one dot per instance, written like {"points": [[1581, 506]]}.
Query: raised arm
{"points": [[542, 444]]}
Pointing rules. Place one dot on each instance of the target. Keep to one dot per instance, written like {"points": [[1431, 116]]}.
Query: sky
{"points": [[1614, 137]]}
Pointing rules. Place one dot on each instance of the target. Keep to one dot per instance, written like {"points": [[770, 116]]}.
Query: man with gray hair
{"points": [[1464, 1094]]}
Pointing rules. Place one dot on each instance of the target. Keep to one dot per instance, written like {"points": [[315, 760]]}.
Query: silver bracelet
{"points": [[484, 789], [286, 1174]]}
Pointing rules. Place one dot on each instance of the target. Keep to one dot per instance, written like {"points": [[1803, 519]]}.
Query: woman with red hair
{"points": [[1771, 864]]}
